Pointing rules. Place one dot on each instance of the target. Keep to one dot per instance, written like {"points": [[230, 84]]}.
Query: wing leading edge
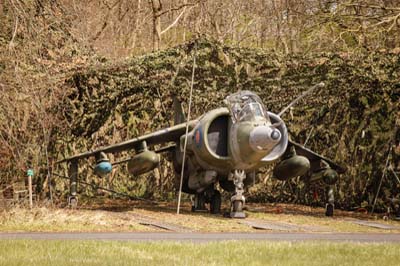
{"points": [[161, 136]]}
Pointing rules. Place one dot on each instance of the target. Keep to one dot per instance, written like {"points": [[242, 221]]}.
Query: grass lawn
{"points": [[60, 253]]}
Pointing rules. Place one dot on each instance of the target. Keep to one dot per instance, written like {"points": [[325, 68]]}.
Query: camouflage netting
{"points": [[352, 120]]}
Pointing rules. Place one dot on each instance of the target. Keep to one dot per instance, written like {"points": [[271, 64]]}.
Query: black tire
{"points": [[73, 203], [201, 201], [329, 210], [215, 203]]}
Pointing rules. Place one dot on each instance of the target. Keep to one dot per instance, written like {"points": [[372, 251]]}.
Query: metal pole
{"points": [[383, 175], [187, 129], [30, 191]]}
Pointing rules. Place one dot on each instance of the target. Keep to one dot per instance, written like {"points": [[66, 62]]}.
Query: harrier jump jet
{"points": [[226, 145]]}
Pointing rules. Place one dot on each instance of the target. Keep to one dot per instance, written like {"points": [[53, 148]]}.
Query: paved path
{"points": [[206, 237]]}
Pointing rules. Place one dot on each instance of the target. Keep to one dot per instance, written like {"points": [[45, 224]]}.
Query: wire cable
{"points": [[187, 129]]}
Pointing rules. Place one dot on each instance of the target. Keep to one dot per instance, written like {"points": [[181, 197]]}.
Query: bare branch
{"points": [[372, 7], [11, 44], [176, 20], [176, 8]]}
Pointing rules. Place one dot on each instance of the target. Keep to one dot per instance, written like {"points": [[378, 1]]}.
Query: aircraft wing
{"points": [[161, 136], [315, 158]]}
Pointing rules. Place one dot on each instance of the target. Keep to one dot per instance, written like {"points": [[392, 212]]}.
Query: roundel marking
{"points": [[198, 137]]}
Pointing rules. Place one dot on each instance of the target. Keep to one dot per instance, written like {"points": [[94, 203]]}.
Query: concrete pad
{"points": [[270, 225], [373, 224], [280, 226], [147, 221], [166, 226]]}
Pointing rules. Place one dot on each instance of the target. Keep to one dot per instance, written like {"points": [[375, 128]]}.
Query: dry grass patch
{"points": [[305, 215], [43, 219], [126, 217]]}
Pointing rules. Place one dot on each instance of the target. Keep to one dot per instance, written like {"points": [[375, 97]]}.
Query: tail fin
{"points": [[179, 116]]}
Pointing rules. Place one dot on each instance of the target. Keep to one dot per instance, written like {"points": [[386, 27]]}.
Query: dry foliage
{"points": [[47, 47]]}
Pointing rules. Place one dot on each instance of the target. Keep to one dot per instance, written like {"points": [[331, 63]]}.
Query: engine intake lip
{"points": [[281, 147]]}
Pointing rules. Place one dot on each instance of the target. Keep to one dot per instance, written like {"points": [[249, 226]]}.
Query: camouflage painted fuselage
{"points": [[216, 146]]}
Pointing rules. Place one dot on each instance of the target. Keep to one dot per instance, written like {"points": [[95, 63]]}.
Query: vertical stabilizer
{"points": [[179, 116]]}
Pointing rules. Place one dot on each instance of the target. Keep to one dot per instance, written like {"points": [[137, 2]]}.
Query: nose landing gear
{"points": [[238, 200]]}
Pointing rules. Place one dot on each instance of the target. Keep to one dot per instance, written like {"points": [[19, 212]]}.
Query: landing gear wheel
{"points": [[73, 202], [329, 210], [237, 206], [215, 202], [199, 203], [237, 209], [238, 200], [331, 200]]}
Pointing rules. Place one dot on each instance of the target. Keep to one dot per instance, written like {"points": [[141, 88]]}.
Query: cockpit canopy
{"points": [[246, 106]]}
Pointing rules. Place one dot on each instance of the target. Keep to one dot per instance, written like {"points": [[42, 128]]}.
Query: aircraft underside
{"points": [[207, 193]]}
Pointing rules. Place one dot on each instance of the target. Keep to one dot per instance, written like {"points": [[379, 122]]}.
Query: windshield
{"points": [[246, 106]]}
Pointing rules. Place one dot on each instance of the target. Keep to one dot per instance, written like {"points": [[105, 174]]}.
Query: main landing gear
{"points": [[211, 196]]}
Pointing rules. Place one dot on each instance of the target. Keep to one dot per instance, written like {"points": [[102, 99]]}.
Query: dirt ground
{"points": [[106, 215]]}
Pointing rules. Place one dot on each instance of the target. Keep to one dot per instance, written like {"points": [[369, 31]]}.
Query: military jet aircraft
{"points": [[226, 145]]}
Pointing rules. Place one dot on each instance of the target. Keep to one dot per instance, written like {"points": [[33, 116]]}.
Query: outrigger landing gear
{"points": [[238, 200], [73, 185], [330, 206]]}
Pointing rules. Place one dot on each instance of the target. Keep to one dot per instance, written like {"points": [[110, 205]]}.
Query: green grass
{"points": [[48, 252]]}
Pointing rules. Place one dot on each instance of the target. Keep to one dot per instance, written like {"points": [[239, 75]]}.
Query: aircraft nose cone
{"points": [[264, 138]]}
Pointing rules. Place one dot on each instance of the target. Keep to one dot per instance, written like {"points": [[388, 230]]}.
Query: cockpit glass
{"points": [[249, 111], [246, 106]]}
